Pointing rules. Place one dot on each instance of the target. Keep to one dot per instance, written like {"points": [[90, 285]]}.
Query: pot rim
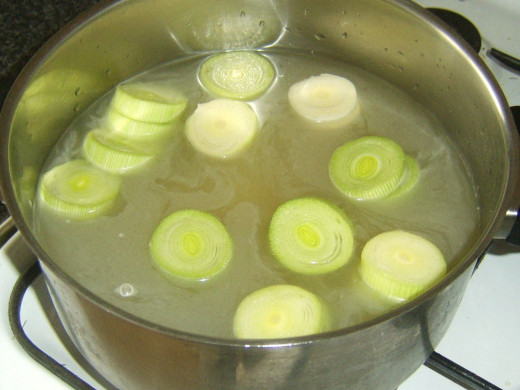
{"points": [[8, 196]]}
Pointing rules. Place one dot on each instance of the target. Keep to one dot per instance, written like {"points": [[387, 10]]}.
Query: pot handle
{"points": [[514, 236]]}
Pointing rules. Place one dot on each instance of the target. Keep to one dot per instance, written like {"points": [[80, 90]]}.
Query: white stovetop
{"points": [[484, 336]]}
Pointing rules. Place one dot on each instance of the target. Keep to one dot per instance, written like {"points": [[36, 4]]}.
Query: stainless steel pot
{"points": [[396, 40]]}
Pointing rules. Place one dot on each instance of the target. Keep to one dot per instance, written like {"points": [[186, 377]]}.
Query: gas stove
{"points": [[484, 337]]}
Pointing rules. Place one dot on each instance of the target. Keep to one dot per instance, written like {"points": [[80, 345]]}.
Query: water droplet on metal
{"points": [[77, 91]]}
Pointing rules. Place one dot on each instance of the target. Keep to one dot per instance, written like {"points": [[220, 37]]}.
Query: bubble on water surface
{"points": [[126, 290]]}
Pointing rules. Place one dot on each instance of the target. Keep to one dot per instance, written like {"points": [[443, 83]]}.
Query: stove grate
{"points": [[440, 364]]}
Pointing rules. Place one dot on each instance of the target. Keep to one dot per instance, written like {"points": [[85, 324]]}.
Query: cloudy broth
{"points": [[288, 159]]}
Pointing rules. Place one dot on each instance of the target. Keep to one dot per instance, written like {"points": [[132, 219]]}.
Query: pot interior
{"points": [[393, 40]]}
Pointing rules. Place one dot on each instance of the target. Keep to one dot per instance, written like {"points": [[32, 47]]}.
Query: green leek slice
{"points": [[135, 129], [367, 168], [222, 128], [112, 153], [148, 102], [191, 244], [401, 265], [310, 236], [323, 98], [237, 75], [280, 311], [410, 177], [78, 190]]}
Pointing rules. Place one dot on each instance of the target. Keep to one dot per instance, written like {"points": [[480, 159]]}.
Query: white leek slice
{"points": [[401, 265], [310, 236], [191, 244], [148, 102], [238, 75], [280, 311], [222, 128], [367, 168], [78, 190], [112, 153], [324, 98]]}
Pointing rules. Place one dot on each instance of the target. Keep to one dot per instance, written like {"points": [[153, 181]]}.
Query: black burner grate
{"points": [[467, 30], [436, 362]]}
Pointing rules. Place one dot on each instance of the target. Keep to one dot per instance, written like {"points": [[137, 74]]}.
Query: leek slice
{"points": [[401, 265], [238, 75], [323, 98], [112, 153], [135, 129], [148, 102], [222, 128], [410, 176], [78, 190], [280, 311], [191, 244], [367, 168], [310, 236]]}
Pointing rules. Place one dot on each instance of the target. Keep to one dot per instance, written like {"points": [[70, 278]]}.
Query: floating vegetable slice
{"points": [[135, 129], [410, 177], [367, 168], [112, 153], [148, 102], [401, 265], [78, 190], [323, 98], [191, 244], [280, 311], [310, 236], [222, 128], [237, 75]]}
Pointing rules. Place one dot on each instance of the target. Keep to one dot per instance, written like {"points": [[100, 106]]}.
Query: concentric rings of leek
{"points": [[310, 236], [401, 265], [237, 75], [79, 190], [191, 244], [280, 311]]}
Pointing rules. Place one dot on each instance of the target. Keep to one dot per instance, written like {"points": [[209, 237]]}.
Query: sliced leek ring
{"points": [[222, 128], [148, 102], [310, 236], [367, 168], [280, 311], [191, 244], [135, 129], [78, 190], [410, 177], [324, 98], [112, 153], [401, 265], [237, 75]]}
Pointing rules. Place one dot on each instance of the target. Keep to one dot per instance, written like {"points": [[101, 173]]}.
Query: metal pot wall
{"points": [[396, 40]]}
